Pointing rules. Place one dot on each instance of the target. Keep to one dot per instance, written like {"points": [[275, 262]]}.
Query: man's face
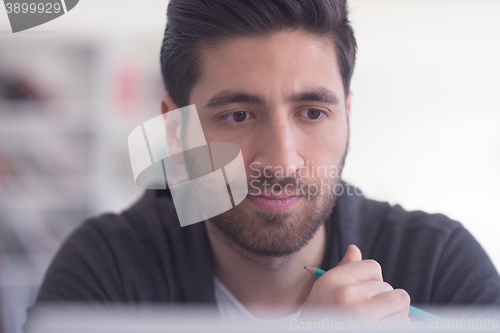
{"points": [[280, 98]]}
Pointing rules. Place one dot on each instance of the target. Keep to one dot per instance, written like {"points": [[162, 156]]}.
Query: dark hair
{"points": [[195, 24]]}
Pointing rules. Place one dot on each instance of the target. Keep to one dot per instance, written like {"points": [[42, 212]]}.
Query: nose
{"points": [[279, 149]]}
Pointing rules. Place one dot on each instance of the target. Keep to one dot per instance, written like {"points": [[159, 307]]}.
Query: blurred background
{"points": [[424, 124]]}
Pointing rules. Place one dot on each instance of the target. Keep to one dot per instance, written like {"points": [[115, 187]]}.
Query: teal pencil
{"points": [[413, 310]]}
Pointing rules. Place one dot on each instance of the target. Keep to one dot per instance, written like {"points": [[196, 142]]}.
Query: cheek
{"points": [[245, 143], [324, 146]]}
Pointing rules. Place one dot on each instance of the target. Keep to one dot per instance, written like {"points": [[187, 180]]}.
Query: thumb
{"points": [[353, 253]]}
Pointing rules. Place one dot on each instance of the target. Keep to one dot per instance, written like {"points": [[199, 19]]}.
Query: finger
{"points": [[352, 254], [359, 292], [387, 304], [356, 271]]}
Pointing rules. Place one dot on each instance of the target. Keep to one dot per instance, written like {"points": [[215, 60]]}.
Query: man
{"points": [[272, 77]]}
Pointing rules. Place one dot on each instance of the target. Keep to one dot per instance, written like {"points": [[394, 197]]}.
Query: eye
{"points": [[312, 113], [237, 117]]}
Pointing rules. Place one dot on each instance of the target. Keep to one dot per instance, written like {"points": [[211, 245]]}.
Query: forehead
{"points": [[273, 65]]}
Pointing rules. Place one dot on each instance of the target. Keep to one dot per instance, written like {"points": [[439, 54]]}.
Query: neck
{"points": [[263, 282]]}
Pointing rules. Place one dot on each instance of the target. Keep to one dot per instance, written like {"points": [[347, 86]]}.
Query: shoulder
{"points": [[135, 226], [141, 254], [106, 256], [431, 256], [130, 231], [374, 224]]}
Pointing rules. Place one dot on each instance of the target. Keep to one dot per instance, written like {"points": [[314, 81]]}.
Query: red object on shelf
{"points": [[127, 83]]}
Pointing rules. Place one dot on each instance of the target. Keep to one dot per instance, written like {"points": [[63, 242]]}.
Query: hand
{"points": [[356, 287]]}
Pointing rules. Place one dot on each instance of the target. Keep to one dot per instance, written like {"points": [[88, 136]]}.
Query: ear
{"points": [[173, 128], [348, 110], [348, 103], [167, 104]]}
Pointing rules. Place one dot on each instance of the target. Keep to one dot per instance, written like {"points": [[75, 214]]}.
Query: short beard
{"points": [[278, 234]]}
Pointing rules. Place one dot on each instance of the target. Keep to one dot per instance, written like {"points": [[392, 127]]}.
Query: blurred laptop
{"points": [[152, 319]]}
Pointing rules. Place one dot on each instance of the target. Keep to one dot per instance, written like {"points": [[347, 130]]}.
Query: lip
{"points": [[275, 203]]}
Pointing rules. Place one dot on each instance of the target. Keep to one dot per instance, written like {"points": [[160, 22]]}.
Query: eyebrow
{"points": [[321, 95], [226, 97]]}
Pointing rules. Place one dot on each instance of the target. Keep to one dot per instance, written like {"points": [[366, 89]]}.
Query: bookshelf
{"points": [[66, 109]]}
